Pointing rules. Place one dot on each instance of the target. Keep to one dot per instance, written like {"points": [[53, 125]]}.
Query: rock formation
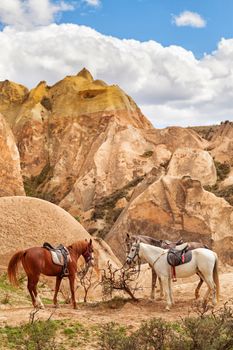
{"points": [[27, 222], [173, 207], [87, 147], [11, 182]]}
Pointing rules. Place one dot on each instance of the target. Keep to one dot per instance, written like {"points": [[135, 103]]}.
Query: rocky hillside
{"points": [[87, 147]]}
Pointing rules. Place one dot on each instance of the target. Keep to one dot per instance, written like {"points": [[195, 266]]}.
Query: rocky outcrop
{"points": [[221, 144], [11, 182], [173, 207], [12, 96], [195, 163]]}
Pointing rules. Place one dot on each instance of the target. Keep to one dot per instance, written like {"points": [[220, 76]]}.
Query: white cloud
{"points": [[191, 19], [94, 3], [168, 83], [28, 13]]}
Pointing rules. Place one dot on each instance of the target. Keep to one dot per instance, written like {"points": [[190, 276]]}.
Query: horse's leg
{"points": [[32, 284], [170, 290], [153, 283], [197, 295], [161, 293], [71, 280], [166, 287], [212, 289], [57, 286]]}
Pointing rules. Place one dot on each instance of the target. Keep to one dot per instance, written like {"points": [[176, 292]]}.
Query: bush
{"points": [[205, 332], [35, 336]]}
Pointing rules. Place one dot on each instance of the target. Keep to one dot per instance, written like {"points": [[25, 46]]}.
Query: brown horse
{"points": [[129, 240], [38, 260]]}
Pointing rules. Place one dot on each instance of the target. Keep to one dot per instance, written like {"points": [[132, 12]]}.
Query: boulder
{"points": [[195, 163], [26, 222], [175, 207]]}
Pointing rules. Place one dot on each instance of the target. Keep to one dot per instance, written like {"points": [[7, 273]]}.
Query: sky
{"points": [[173, 57]]}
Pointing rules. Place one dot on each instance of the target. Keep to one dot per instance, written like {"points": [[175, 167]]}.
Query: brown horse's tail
{"points": [[13, 266], [216, 278]]}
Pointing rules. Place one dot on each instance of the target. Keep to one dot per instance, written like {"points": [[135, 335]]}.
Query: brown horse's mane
{"points": [[79, 246]]}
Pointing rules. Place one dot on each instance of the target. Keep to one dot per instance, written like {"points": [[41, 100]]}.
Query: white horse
{"points": [[204, 263]]}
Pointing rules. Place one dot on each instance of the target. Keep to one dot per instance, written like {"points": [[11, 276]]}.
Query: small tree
{"points": [[119, 279]]}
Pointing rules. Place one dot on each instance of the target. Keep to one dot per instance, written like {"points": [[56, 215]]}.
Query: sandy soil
{"points": [[127, 312]]}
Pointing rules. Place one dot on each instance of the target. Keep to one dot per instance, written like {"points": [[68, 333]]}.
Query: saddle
{"points": [[178, 256], [165, 244], [60, 256]]}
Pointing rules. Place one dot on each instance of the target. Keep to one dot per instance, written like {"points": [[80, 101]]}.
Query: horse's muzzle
{"points": [[128, 261]]}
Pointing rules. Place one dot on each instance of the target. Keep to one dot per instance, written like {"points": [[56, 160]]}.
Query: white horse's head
{"points": [[133, 253]]}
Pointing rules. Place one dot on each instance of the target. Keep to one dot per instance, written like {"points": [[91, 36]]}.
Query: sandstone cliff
{"points": [[87, 147]]}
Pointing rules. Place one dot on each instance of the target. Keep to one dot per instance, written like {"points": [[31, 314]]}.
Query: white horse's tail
{"points": [[216, 277]]}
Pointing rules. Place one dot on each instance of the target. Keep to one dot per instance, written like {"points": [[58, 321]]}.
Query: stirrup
{"points": [[66, 272]]}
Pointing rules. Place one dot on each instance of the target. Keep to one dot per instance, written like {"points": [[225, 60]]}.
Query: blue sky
{"points": [[145, 20], [173, 57]]}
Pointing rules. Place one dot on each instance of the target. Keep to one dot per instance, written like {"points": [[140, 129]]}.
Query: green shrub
{"points": [[39, 335], [112, 337], [205, 332], [222, 169]]}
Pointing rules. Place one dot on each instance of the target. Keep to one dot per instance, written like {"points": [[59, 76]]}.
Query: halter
{"points": [[87, 255], [137, 245]]}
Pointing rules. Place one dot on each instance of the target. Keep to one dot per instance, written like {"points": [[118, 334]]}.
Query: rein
{"points": [[158, 258]]}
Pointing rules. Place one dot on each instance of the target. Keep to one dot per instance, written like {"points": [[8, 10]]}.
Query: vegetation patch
{"points": [[32, 185], [226, 193], [36, 335], [206, 132], [105, 208], [213, 332], [223, 169]]}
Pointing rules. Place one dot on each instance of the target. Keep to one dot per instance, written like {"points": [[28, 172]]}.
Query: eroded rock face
{"points": [[221, 145], [195, 163], [171, 208], [81, 140], [11, 182]]}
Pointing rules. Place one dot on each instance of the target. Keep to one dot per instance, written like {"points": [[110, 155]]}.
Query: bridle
{"points": [[136, 253], [88, 255]]}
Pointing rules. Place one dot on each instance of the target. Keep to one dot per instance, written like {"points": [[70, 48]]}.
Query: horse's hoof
{"points": [[56, 306], [167, 308]]}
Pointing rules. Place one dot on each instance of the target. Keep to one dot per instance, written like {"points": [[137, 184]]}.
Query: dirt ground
{"points": [[121, 311]]}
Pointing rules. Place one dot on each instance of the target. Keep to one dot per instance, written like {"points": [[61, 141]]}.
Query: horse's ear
{"points": [[137, 240], [90, 243], [127, 235]]}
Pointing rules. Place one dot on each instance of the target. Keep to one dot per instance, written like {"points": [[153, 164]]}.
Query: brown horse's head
{"points": [[87, 253]]}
